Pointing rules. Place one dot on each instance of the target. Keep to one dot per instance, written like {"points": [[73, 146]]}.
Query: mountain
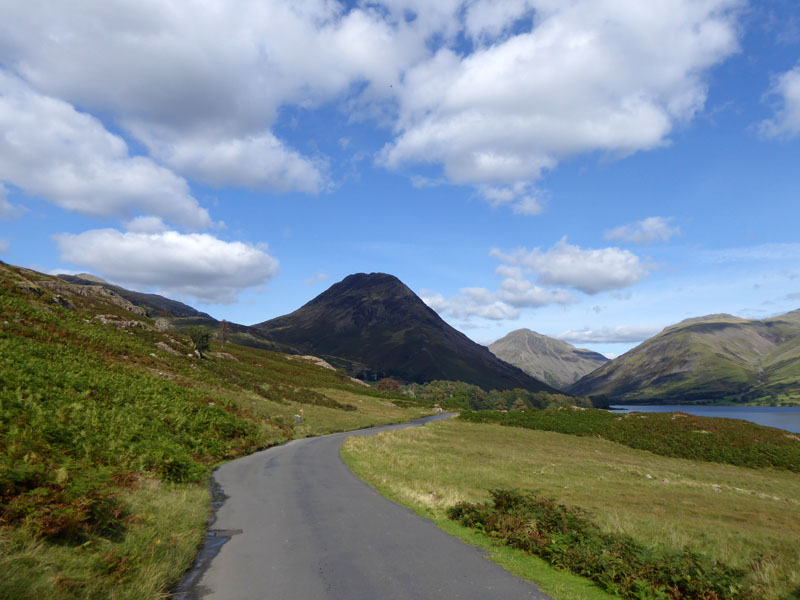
{"points": [[716, 358], [155, 305], [177, 314], [557, 363], [374, 326]]}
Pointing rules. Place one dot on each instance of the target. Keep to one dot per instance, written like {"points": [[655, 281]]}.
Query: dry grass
{"points": [[743, 517], [162, 537]]}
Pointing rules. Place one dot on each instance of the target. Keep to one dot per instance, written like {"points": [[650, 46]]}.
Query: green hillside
{"points": [[718, 358], [110, 427]]}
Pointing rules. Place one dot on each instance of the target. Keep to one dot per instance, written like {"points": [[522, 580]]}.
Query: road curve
{"points": [[310, 529]]}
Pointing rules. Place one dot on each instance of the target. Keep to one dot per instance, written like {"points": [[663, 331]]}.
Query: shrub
{"points": [[567, 539]]}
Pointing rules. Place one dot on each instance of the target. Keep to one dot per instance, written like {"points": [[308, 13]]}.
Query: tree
{"points": [[388, 384], [223, 332], [201, 339]]}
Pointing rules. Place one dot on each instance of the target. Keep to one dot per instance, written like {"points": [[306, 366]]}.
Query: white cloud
{"points": [[518, 196], [786, 122], [202, 85], [592, 75], [8, 211], [563, 266], [3, 246], [470, 302], [190, 79], [646, 231], [197, 265], [146, 224], [590, 271], [51, 150], [610, 335], [515, 293], [254, 161]]}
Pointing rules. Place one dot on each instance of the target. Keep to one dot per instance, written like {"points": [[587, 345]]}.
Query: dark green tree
{"points": [[201, 339]]}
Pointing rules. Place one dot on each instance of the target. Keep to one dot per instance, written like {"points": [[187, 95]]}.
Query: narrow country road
{"points": [[304, 527]]}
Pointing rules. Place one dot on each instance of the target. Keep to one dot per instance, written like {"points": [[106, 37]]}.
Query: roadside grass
{"points": [[166, 526], [109, 433], [741, 517]]}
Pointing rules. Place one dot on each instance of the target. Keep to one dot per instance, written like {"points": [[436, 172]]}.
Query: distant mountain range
{"points": [[374, 326], [553, 361], [717, 358]]}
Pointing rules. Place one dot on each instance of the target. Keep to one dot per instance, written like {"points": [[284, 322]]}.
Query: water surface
{"points": [[782, 417]]}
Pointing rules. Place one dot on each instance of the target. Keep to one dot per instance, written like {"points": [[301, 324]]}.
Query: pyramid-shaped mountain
{"points": [[550, 360], [374, 326]]}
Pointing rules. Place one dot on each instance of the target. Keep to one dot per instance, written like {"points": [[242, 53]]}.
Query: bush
{"points": [[567, 539], [201, 339]]}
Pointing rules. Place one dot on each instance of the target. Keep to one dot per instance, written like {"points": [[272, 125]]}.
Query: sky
{"points": [[594, 170]]}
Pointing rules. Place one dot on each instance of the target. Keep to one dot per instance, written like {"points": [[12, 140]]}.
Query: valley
{"points": [[114, 413]]}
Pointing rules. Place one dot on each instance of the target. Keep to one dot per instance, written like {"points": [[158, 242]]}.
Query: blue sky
{"points": [[594, 170]]}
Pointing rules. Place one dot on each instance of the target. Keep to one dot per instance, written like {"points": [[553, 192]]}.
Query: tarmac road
{"points": [[310, 529]]}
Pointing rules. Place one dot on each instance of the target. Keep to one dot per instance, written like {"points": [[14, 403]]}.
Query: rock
{"points": [[58, 299], [359, 382], [119, 322], [313, 360], [224, 355], [167, 348], [97, 291]]}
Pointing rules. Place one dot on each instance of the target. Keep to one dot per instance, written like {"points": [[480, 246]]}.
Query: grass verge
{"points": [[741, 517]]}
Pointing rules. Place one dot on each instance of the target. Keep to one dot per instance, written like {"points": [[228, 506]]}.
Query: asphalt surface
{"points": [[296, 523]]}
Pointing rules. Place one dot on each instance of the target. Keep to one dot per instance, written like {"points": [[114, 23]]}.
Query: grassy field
{"points": [[742, 517], [110, 429], [678, 434]]}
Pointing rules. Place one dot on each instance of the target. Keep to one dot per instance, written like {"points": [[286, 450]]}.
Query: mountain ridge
{"points": [[715, 358]]}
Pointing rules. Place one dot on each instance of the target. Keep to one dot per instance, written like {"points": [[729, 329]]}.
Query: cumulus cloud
{"points": [[515, 293], [590, 271], [51, 150], [786, 122], [609, 335], [254, 161], [146, 224], [203, 85], [8, 211], [646, 231], [536, 278], [470, 302], [196, 265], [590, 75]]}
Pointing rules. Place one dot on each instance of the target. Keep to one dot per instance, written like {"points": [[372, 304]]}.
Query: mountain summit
{"points": [[374, 326], [555, 362]]}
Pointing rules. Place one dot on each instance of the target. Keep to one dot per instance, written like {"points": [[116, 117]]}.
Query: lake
{"points": [[782, 417]]}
